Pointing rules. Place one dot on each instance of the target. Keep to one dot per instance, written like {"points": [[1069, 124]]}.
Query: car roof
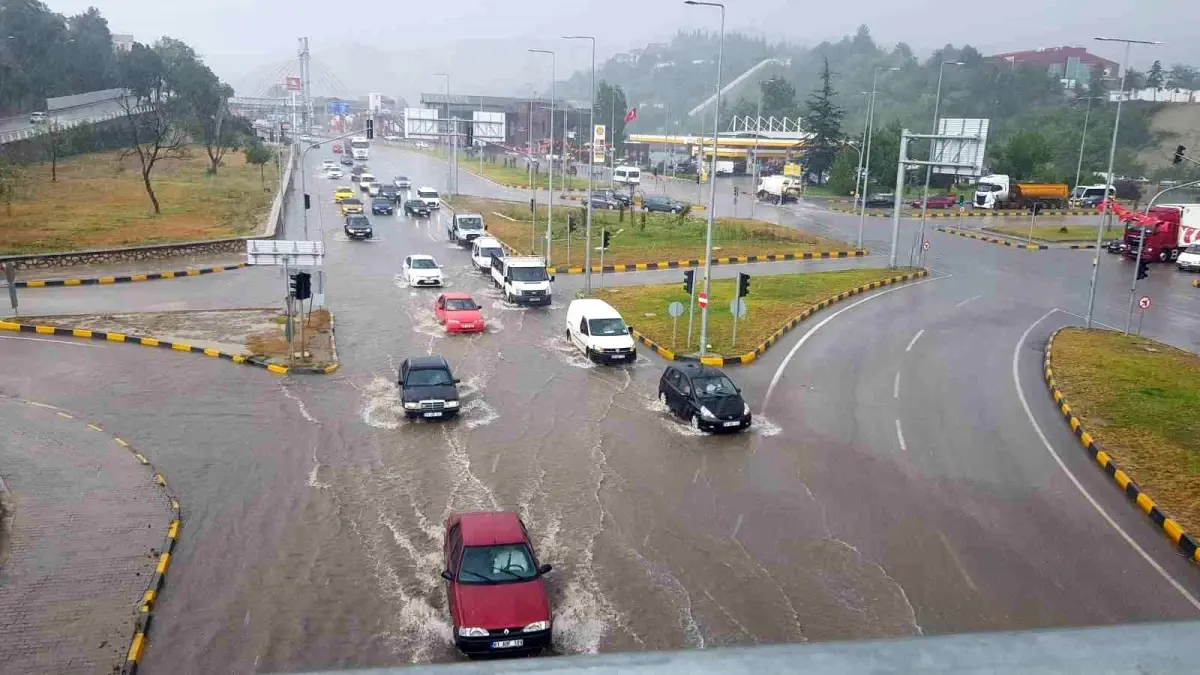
{"points": [[427, 362], [693, 369], [421, 256], [457, 295], [381, 200], [594, 308], [486, 529], [352, 200], [488, 241], [426, 188], [345, 188]]}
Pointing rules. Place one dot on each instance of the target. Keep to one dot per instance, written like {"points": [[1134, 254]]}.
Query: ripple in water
{"points": [[382, 408]]}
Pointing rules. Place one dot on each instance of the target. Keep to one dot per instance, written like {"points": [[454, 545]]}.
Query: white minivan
{"points": [[430, 197], [483, 250], [598, 330], [627, 175]]}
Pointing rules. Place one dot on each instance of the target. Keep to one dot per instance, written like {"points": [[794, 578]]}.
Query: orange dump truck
{"points": [[998, 192]]}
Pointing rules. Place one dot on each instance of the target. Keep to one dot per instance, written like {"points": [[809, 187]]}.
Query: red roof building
{"points": [[1070, 64]]}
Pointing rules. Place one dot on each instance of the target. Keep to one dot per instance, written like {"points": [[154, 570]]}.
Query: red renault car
{"points": [[494, 585]]}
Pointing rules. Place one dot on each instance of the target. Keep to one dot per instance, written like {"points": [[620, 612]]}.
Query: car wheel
{"points": [[508, 297], [1164, 255]]}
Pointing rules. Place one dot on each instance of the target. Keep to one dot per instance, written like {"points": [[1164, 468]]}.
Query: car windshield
{"points": [[357, 221], [607, 327], [491, 252], [987, 187], [470, 223], [461, 304], [500, 564], [715, 385], [350, 202], [1193, 249], [380, 202], [423, 264], [428, 377], [416, 204], [402, 178], [529, 273]]}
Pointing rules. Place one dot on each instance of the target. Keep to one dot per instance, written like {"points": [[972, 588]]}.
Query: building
{"points": [[1069, 64], [519, 113], [122, 43]]}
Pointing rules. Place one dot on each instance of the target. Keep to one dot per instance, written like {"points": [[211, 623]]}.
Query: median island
{"points": [[773, 301], [1138, 399], [637, 237]]}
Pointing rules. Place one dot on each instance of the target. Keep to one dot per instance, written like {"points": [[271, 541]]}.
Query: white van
{"points": [[483, 250], [524, 280], [627, 175], [430, 197], [598, 330]]}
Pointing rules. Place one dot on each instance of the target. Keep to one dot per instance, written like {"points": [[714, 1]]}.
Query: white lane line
{"points": [[1080, 316], [900, 437], [57, 342], [914, 340], [1075, 481], [896, 386], [974, 297], [812, 331]]}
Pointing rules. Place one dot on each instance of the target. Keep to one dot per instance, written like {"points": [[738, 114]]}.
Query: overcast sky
{"points": [[482, 42]]}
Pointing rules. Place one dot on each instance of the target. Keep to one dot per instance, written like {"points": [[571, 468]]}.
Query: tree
{"points": [[1025, 155], [151, 119], [779, 98], [824, 121], [258, 155], [1096, 84], [11, 177], [610, 111], [52, 140], [1154, 76], [841, 176], [1183, 77]]}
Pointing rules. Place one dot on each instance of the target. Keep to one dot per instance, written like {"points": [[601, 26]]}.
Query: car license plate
{"points": [[505, 644], [620, 356], [468, 325], [433, 414], [732, 424]]}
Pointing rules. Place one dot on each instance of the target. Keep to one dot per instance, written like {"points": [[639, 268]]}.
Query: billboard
{"points": [[489, 127], [421, 123], [968, 149], [374, 102], [599, 141], [293, 83], [337, 108]]}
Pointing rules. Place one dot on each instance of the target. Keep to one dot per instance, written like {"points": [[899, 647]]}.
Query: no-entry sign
{"points": [[702, 300]]}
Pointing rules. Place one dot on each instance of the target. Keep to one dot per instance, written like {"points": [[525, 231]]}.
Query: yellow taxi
{"points": [[343, 192], [351, 205]]}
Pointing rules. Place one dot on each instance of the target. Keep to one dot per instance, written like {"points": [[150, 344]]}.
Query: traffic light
{"points": [[689, 280], [307, 203], [605, 237], [1143, 270], [370, 128], [743, 287], [301, 285], [1179, 150]]}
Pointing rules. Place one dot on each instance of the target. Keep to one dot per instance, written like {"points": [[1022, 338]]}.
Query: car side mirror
{"points": [[456, 380], [544, 568], [630, 329], [448, 575], [551, 277]]}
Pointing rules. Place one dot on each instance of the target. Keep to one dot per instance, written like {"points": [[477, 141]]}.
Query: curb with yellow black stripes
{"points": [[761, 349], [994, 240], [732, 260], [1196, 283], [174, 346], [970, 214], [127, 278], [1185, 542]]}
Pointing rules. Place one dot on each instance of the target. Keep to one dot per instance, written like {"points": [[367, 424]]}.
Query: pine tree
{"points": [[824, 122]]}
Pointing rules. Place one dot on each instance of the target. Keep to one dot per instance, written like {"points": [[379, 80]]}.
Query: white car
{"points": [[430, 197], [373, 189], [422, 270], [365, 180], [598, 331], [328, 164], [334, 172], [483, 250], [1189, 260]]}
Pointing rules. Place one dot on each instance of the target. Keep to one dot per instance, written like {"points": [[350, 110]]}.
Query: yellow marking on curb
{"points": [[1145, 503], [149, 342], [168, 275], [137, 277], [1122, 478], [712, 360], [44, 330], [81, 332], [1085, 437], [175, 504], [239, 359], [173, 530], [121, 442], [114, 337], [93, 427], [7, 325], [141, 458], [193, 273], [1102, 458], [135, 649], [107, 280], [215, 270], [164, 561], [36, 284], [332, 367], [148, 600], [1074, 423], [212, 352], [65, 415], [72, 282], [282, 370], [1173, 530], [180, 347], [158, 478]]}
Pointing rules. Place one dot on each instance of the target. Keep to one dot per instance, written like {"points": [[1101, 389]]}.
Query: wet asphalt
{"points": [[892, 484]]}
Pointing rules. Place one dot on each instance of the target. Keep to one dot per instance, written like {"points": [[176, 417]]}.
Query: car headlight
{"points": [[451, 404], [516, 291], [706, 413], [472, 632], [536, 626], [745, 408], [411, 405]]}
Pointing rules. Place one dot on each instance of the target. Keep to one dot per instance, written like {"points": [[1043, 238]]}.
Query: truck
{"points": [[778, 189], [523, 279], [725, 167], [465, 228], [998, 191], [1177, 228]]}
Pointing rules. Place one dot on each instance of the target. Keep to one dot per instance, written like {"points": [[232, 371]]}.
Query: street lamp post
{"points": [[445, 147], [861, 154], [587, 251], [712, 176], [754, 159], [862, 215], [937, 100], [550, 201], [1082, 139], [1108, 176]]}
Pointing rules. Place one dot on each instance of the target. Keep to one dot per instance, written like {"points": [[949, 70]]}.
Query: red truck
{"points": [[1177, 227]]}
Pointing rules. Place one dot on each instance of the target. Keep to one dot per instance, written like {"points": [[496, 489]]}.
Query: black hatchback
{"points": [[703, 396]]}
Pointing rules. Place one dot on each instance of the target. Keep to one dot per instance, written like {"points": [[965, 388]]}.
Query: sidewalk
{"points": [[122, 269], [85, 518]]}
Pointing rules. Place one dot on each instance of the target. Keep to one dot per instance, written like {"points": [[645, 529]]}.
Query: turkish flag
{"points": [[631, 115]]}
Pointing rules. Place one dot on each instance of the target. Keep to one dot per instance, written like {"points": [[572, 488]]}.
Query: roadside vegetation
{"points": [[1138, 399], [1063, 233], [639, 237], [773, 300], [99, 201], [515, 175]]}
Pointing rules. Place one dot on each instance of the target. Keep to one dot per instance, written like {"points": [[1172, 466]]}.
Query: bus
{"points": [[357, 147]]}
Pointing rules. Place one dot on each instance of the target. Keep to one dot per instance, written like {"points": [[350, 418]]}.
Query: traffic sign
{"points": [[925, 246], [702, 300], [1144, 302], [738, 307], [675, 308]]}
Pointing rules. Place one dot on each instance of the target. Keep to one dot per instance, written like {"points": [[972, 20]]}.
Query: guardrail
{"points": [[22, 134]]}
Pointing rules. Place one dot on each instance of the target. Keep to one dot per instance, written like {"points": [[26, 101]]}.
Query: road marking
{"points": [[896, 386], [900, 437], [1075, 481], [57, 342], [1080, 316], [812, 331], [975, 297], [914, 340]]}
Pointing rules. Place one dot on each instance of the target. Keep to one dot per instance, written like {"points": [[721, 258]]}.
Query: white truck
{"points": [[724, 167], [464, 228], [778, 189], [523, 279]]}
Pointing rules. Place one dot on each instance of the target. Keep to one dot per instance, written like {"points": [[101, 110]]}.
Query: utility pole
{"points": [[550, 202], [937, 100], [1137, 266], [862, 217], [1083, 139], [587, 253], [754, 159]]}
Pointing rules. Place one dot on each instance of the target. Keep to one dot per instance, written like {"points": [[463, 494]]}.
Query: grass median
{"points": [[1054, 233], [99, 201], [664, 236], [1138, 398], [772, 301]]}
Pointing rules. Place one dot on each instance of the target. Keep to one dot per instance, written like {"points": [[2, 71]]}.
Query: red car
{"points": [[337, 149], [494, 585], [458, 313], [936, 202]]}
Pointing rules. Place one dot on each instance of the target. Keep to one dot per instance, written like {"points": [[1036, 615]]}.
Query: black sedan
{"points": [[417, 207], [602, 201], [704, 396], [346, 161], [881, 201], [381, 206], [390, 192], [358, 227]]}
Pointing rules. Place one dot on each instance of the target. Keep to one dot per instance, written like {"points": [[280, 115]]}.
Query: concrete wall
{"points": [[87, 98]]}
